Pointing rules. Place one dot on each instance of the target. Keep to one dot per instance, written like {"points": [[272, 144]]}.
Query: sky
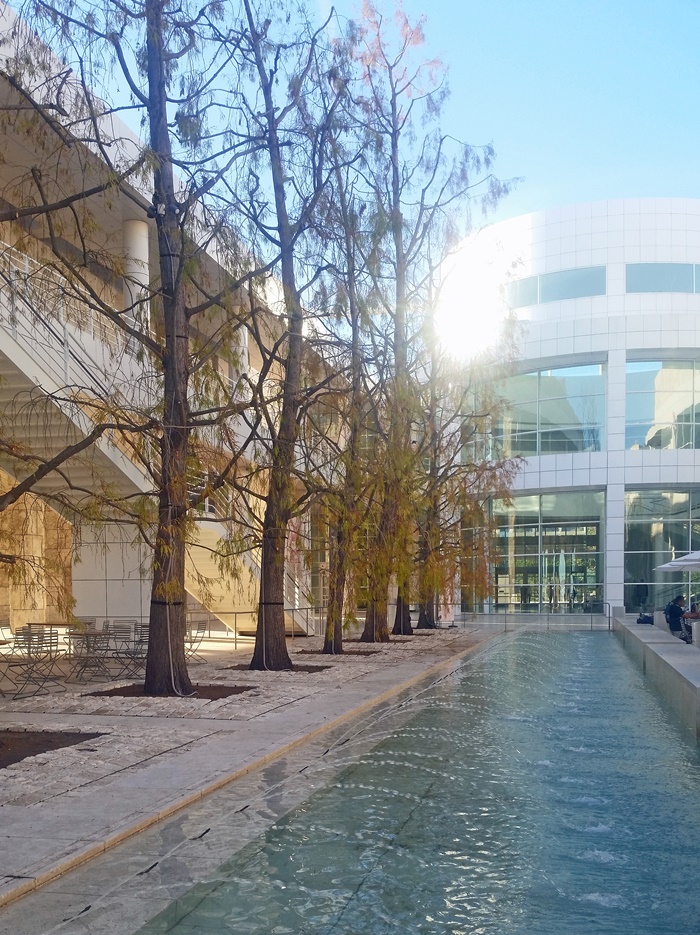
{"points": [[581, 99]]}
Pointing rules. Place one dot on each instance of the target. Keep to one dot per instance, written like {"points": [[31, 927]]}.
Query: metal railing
{"points": [[548, 620]]}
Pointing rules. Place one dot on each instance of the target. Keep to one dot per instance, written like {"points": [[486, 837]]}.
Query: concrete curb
{"points": [[672, 666]]}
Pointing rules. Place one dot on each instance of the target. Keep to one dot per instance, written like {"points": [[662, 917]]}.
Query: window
{"points": [[551, 552], [662, 277], [551, 411], [663, 404], [659, 525], [554, 287], [522, 292], [572, 284]]}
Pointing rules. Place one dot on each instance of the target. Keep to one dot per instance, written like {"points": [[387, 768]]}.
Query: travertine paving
{"points": [[155, 756]]}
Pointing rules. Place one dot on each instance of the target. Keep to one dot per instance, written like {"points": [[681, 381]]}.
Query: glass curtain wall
{"points": [[556, 287], [551, 553], [552, 411], [663, 404], [659, 525]]}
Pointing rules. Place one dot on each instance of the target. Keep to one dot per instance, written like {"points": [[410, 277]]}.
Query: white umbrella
{"points": [[690, 562]]}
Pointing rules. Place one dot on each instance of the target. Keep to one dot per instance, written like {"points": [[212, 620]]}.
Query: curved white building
{"points": [[604, 404]]}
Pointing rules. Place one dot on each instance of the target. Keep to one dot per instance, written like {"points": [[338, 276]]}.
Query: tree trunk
{"points": [[270, 647], [333, 642], [340, 547], [166, 668], [399, 443], [270, 637], [426, 614], [402, 621], [376, 628]]}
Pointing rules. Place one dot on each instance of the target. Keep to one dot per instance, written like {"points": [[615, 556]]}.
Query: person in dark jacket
{"points": [[674, 615]]}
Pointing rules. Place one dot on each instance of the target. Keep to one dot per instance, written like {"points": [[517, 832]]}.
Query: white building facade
{"points": [[603, 404]]}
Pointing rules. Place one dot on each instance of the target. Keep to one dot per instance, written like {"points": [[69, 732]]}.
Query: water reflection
{"points": [[498, 808]]}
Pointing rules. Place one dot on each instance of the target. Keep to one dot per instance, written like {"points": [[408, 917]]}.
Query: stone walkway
{"points": [[155, 756]]}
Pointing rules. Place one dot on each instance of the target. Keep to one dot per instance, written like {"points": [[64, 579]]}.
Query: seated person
{"points": [[674, 615], [688, 617]]}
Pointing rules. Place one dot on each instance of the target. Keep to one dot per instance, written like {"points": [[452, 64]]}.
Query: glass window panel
{"points": [[521, 292], [658, 537], [585, 410], [519, 388], [659, 436], [635, 437], [572, 284], [657, 504], [647, 595], [526, 568], [676, 375], [669, 406], [657, 376], [641, 375], [571, 438], [684, 436], [660, 277], [660, 404], [695, 537], [521, 417], [527, 540], [566, 574], [640, 408], [582, 506], [571, 409], [661, 594], [572, 381], [523, 443], [523, 510]]}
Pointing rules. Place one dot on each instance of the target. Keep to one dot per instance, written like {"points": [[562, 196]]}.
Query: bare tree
{"points": [[287, 109], [415, 176], [185, 316]]}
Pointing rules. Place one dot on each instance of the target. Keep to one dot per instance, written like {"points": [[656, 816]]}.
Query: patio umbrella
{"points": [[690, 562]]}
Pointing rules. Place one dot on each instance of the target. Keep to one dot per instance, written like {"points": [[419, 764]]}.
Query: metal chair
{"points": [[131, 654], [88, 651], [193, 640], [35, 653], [120, 632], [8, 640]]}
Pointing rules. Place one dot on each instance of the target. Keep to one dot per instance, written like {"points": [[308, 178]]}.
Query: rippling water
{"points": [[544, 790]]}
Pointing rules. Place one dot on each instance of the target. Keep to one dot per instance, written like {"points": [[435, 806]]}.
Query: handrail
{"points": [[87, 365], [52, 290]]}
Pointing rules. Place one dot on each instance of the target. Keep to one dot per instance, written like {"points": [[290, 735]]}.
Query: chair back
{"points": [[141, 633], [23, 637], [36, 640]]}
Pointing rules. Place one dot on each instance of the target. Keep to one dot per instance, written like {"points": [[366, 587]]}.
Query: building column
{"points": [[136, 269], [615, 492]]}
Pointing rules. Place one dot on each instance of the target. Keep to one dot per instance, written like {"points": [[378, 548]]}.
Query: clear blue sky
{"points": [[584, 99]]}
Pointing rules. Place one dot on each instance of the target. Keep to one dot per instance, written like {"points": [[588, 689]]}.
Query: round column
{"points": [[136, 271]]}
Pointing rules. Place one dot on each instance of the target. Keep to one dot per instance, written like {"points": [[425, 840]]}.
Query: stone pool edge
{"points": [[80, 856], [673, 667]]}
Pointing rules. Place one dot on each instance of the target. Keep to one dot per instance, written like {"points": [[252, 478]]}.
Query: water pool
{"points": [[544, 789]]}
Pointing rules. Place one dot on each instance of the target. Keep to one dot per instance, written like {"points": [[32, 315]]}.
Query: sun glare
{"points": [[472, 310]]}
